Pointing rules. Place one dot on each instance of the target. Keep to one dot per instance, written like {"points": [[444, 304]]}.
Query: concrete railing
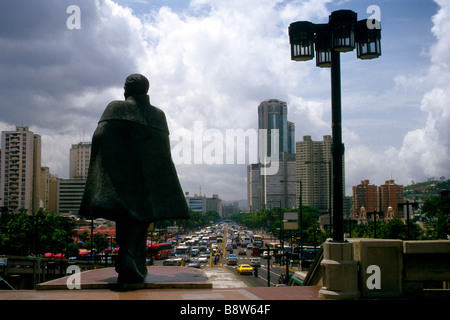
{"points": [[378, 268]]}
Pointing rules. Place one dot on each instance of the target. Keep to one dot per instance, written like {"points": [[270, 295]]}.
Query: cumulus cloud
{"points": [[210, 61], [425, 152]]}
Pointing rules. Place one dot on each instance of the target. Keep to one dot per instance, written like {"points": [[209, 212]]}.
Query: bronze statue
{"points": [[132, 178]]}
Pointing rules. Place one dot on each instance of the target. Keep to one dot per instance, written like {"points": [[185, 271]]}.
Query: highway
{"points": [[260, 281]]}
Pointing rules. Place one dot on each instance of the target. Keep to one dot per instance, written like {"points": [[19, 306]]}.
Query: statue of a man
{"points": [[131, 177]]}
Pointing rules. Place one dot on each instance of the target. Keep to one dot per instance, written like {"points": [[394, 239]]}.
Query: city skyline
{"points": [[214, 62]]}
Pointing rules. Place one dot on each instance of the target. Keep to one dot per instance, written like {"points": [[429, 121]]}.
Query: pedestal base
{"points": [[157, 278], [340, 272]]}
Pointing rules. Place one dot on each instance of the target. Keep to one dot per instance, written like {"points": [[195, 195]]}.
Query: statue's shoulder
{"points": [[120, 110]]}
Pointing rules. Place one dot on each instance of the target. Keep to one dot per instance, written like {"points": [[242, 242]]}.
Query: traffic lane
{"points": [[261, 280]]}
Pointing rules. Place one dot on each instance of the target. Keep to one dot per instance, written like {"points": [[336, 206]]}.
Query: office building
{"points": [[201, 203], [272, 114], [274, 189], [20, 175], [70, 194]]}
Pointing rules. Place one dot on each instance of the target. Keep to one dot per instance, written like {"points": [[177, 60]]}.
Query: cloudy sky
{"points": [[211, 62]]}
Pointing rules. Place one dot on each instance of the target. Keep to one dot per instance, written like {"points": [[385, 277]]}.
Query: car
{"points": [[242, 251], [255, 262], [173, 262], [232, 259], [245, 269], [194, 264], [204, 258]]}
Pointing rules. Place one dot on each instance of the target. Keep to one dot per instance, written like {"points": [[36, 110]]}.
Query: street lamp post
{"points": [[329, 40]]}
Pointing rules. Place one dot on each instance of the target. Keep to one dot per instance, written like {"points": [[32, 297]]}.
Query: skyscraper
{"points": [[277, 188], [272, 114], [20, 170]]}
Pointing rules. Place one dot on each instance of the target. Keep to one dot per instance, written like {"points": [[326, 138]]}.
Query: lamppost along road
{"points": [[341, 34]]}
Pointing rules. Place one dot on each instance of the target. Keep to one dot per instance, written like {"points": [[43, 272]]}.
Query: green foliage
{"points": [[42, 232], [437, 216], [197, 220], [393, 229], [271, 221]]}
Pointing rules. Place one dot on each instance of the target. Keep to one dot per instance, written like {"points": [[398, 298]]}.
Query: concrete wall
{"points": [[385, 268]]}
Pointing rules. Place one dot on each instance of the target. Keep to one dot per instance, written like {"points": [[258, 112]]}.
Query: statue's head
{"points": [[136, 84]]}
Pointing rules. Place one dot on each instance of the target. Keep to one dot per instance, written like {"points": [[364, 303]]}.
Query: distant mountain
{"points": [[426, 190]]}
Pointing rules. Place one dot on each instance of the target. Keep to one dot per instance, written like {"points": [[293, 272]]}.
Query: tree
{"points": [[23, 234], [437, 216]]}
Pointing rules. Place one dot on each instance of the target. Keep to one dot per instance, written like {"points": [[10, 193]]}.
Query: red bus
{"points": [[159, 250]]}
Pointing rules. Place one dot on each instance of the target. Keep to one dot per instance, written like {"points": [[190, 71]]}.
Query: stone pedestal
{"points": [[340, 272]]}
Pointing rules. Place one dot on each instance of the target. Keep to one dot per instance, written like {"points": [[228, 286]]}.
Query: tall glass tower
{"points": [[272, 114]]}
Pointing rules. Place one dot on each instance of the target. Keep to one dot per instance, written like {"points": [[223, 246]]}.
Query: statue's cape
{"points": [[131, 172]]}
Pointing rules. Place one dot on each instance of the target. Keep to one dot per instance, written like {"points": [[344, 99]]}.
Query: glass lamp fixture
{"points": [[323, 45], [301, 38], [368, 39], [343, 24]]}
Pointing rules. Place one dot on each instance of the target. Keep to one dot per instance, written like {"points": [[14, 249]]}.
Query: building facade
{"points": [[20, 175], [70, 195], [272, 114], [391, 194], [313, 172], [80, 155], [274, 189], [365, 199], [201, 203], [382, 200]]}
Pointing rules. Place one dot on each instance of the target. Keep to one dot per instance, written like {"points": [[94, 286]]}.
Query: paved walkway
{"points": [[174, 283]]}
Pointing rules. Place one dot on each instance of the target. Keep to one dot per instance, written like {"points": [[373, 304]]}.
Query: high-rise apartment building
{"points": [[80, 154], [365, 199], [20, 176], [313, 170], [391, 195], [369, 198]]}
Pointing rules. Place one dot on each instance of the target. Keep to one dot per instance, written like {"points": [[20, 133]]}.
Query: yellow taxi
{"points": [[245, 269]]}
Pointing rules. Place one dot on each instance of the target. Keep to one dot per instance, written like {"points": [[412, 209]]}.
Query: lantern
{"points": [[368, 37], [301, 38], [343, 23], [323, 45]]}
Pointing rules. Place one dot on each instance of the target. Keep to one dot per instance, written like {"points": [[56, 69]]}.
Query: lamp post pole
{"points": [[337, 148]]}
